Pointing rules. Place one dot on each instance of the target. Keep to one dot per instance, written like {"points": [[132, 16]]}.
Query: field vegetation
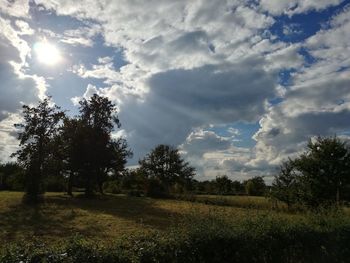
{"points": [[120, 228]]}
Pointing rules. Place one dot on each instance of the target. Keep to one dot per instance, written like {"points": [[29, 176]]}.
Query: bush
{"points": [[112, 187], [154, 188]]}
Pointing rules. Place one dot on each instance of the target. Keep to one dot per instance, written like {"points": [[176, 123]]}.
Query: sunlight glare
{"points": [[47, 53]]}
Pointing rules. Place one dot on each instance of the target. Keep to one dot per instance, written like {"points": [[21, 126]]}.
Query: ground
{"points": [[111, 216]]}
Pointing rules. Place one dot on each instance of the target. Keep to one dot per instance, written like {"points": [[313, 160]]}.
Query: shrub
{"points": [[154, 188], [112, 187]]}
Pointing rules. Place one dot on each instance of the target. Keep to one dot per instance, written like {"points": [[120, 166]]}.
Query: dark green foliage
{"points": [[318, 177], [325, 171], [11, 177], [155, 188], [321, 238], [165, 165], [57, 152], [36, 153], [255, 186], [89, 152], [286, 187], [100, 154], [221, 185], [113, 187], [224, 185]]}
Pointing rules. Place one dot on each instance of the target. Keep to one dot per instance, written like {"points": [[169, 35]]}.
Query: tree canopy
{"points": [[82, 148], [319, 176], [41, 124], [165, 165]]}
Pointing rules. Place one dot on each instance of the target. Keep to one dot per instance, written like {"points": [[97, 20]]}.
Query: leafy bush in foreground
{"points": [[318, 238]]}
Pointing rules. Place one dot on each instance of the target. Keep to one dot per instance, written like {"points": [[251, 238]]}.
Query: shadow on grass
{"points": [[137, 209], [34, 221], [59, 216]]}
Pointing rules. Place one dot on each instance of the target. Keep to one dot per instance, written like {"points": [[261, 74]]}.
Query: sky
{"points": [[237, 86]]}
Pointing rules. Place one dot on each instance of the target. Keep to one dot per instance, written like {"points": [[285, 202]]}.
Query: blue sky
{"points": [[237, 86]]}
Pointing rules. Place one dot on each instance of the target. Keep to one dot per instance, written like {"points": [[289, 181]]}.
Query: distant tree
{"points": [[164, 167], [40, 126], [223, 185], [238, 187], [324, 171], [255, 186], [286, 185]]}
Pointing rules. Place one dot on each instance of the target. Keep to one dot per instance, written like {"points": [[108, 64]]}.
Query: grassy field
{"points": [[119, 228], [110, 216]]}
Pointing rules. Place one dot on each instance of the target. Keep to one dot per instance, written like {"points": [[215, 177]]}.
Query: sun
{"points": [[47, 53]]}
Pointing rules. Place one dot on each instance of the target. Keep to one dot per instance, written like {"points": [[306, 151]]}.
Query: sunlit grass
{"points": [[109, 217]]}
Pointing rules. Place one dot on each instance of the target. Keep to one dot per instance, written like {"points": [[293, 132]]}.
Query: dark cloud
{"points": [[180, 100]]}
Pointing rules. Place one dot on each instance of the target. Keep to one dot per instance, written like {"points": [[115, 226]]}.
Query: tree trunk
{"points": [[338, 195], [70, 184], [89, 186], [100, 187]]}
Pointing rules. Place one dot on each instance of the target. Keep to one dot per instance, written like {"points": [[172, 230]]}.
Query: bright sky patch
{"points": [[47, 53]]}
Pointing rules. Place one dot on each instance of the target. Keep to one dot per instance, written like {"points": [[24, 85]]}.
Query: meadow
{"points": [[119, 228], [109, 216]]}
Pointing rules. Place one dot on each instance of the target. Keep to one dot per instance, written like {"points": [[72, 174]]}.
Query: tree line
{"points": [[62, 153], [58, 152]]}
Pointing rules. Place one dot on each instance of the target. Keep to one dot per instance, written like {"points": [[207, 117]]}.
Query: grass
{"points": [[255, 202], [106, 217], [118, 228]]}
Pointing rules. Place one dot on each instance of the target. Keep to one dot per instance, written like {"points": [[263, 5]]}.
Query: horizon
{"points": [[237, 86]]}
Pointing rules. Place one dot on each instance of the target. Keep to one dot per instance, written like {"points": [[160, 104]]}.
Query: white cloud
{"points": [[8, 134], [318, 102], [24, 28], [18, 8], [105, 71], [291, 7], [17, 86]]}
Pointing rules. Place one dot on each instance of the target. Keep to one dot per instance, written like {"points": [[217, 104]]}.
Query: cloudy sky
{"points": [[237, 85]]}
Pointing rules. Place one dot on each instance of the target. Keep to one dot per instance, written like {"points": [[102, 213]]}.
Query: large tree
{"points": [[317, 177], [91, 152], [325, 170], [72, 150], [165, 165], [41, 124]]}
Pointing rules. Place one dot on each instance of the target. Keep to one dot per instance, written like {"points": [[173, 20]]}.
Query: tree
{"points": [[324, 170], [223, 185], [255, 186], [165, 167], [40, 126], [238, 187], [319, 176], [72, 150], [90, 150], [286, 185]]}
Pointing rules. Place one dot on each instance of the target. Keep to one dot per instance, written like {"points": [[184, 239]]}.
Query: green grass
{"points": [[106, 217], [117, 228], [256, 202]]}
